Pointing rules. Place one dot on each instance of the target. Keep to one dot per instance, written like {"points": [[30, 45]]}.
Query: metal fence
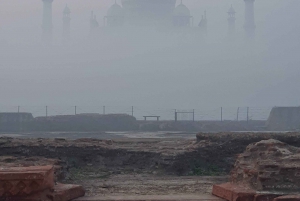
{"points": [[213, 114]]}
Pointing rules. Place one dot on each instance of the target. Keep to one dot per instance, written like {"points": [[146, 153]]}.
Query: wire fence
{"points": [[214, 114]]}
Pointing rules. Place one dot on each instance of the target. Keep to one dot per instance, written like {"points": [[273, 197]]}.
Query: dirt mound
{"points": [[269, 165]]}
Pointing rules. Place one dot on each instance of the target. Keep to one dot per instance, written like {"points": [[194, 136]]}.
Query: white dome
{"points": [[115, 10], [182, 10]]}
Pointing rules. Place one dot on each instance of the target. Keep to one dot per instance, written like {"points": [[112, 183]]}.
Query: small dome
{"points": [[181, 10], [231, 10], [115, 10], [67, 10]]}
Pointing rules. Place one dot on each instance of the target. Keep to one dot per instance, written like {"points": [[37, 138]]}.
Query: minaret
{"points": [[231, 21], [47, 20], [66, 24], [249, 19], [94, 25], [203, 23]]}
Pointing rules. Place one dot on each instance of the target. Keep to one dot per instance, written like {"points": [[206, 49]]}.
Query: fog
{"points": [[153, 69]]}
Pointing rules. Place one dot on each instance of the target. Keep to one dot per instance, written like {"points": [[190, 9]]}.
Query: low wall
{"points": [[14, 122], [284, 119]]}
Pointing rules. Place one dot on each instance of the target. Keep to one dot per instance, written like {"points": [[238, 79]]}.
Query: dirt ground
{"points": [[121, 164], [148, 184], [162, 164]]}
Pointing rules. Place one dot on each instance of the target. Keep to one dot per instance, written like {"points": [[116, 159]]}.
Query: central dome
{"points": [[148, 9], [182, 10], [115, 10]]}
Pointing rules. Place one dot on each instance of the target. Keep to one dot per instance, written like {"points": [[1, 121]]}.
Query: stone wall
{"points": [[12, 122], [284, 119]]}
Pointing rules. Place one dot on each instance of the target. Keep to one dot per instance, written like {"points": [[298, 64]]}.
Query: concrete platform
{"points": [[152, 198]]}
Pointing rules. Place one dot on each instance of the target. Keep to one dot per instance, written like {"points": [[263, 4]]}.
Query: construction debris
{"points": [[265, 171]]}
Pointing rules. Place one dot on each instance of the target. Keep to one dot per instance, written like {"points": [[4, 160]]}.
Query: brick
{"points": [[233, 192], [18, 181], [222, 191], [45, 195], [288, 198], [66, 192]]}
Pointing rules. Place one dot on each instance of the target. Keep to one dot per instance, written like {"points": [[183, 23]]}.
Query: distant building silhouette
{"points": [[47, 20], [231, 22], [203, 23], [181, 16], [162, 13], [94, 25], [249, 19], [115, 16], [66, 24], [148, 12]]}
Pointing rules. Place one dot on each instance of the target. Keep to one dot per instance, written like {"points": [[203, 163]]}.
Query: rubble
{"points": [[265, 171], [269, 165]]}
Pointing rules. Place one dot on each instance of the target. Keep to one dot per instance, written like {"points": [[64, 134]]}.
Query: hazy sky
{"points": [[147, 69]]}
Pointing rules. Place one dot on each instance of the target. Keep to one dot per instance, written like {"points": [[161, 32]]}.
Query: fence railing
{"points": [[213, 114]]}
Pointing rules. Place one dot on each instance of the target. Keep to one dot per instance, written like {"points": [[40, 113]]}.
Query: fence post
{"points": [[132, 111], [193, 114], [221, 114], [237, 114], [247, 114]]}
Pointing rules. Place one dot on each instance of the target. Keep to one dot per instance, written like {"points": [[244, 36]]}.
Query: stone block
{"points": [[66, 192], [45, 195], [22, 181], [233, 192], [288, 198]]}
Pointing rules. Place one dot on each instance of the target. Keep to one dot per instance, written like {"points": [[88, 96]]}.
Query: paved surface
{"points": [[188, 197]]}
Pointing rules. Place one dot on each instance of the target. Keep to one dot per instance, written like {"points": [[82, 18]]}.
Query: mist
{"points": [[155, 69]]}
